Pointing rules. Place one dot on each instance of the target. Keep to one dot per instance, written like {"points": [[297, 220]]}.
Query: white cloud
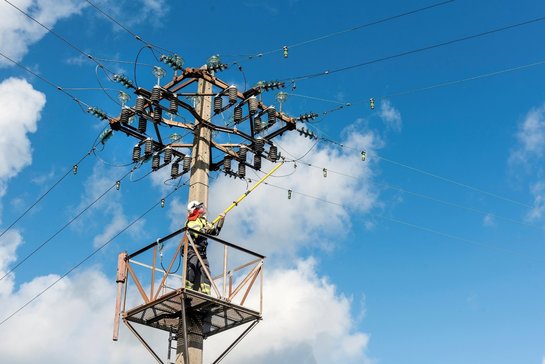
{"points": [[303, 220], [390, 115], [489, 220], [70, 323], [530, 138], [305, 320], [538, 207], [20, 109], [8, 245], [18, 32], [109, 206]]}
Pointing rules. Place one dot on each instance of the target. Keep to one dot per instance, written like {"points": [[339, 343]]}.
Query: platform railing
{"points": [[161, 268]]}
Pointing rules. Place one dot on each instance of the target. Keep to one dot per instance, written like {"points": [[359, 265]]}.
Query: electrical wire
{"points": [[20, 262], [69, 171], [63, 39], [422, 196], [358, 27], [413, 51], [118, 23], [427, 173], [415, 226], [93, 253], [59, 88]]}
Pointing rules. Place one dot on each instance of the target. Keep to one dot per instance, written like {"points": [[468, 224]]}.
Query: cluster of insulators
{"points": [[175, 61], [97, 112], [156, 158], [270, 85], [307, 133], [307, 117], [242, 155], [123, 80], [217, 67]]}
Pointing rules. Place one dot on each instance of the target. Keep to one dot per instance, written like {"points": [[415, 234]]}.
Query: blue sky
{"points": [[430, 251]]}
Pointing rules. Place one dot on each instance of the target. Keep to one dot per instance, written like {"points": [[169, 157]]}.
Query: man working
{"points": [[196, 277]]}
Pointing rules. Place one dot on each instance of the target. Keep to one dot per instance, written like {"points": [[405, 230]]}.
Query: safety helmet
{"points": [[194, 205]]}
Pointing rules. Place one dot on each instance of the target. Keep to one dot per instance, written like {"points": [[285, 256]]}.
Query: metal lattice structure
{"points": [[236, 298]]}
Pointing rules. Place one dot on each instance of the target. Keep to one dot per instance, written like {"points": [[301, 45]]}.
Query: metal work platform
{"points": [[166, 312], [235, 299]]}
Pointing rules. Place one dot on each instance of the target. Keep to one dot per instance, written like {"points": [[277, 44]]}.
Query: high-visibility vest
{"points": [[202, 225]]}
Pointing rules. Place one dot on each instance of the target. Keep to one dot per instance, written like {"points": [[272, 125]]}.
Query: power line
{"points": [[59, 88], [415, 226], [45, 194], [64, 226], [358, 27], [423, 196], [134, 35], [71, 45], [418, 50], [430, 174]]}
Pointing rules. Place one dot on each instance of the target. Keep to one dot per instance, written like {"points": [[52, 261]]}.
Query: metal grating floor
{"points": [[216, 315]]}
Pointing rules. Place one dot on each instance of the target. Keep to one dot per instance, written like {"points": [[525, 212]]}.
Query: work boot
{"points": [[205, 288], [188, 284]]}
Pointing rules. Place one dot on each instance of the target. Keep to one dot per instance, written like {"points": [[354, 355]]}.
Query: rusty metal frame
{"points": [[244, 285]]}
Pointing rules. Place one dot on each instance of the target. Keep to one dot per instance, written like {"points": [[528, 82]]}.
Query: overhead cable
{"points": [[358, 27], [69, 171], [20, 262], [94, 252], [413, 51]]}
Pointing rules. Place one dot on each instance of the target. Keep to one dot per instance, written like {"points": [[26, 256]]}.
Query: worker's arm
{"points": [[214, 229]]}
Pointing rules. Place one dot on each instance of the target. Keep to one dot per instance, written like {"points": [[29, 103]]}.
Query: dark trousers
{"points": [[195, 270]]}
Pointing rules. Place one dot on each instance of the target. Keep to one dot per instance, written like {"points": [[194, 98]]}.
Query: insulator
{"points": [[174, 169], [75, 169], [125, 113], [142, 124], [241, 170], [156, 94], [257, 162], [218, 104], [285, 49], [117, 185], [242, 154], [289, 194], [237, 115], [363, 155], [139, 107], [257, 124], [271, 113], [325, 172], [372, 103], [232, 93], [168, 155], [147, 147], [173, 107], [162, 202], [187, 163], [136, 153], [227, 163], [157, 115], [155, 161], [259, 144], [252, 104], [105, 135], [273, 153]]}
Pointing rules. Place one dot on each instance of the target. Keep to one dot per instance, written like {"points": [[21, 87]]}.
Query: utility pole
{"points": [[198, 190], [191, 316]]}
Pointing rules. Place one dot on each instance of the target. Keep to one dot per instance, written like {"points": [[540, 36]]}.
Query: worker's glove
{"points": [[220, 222]]}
